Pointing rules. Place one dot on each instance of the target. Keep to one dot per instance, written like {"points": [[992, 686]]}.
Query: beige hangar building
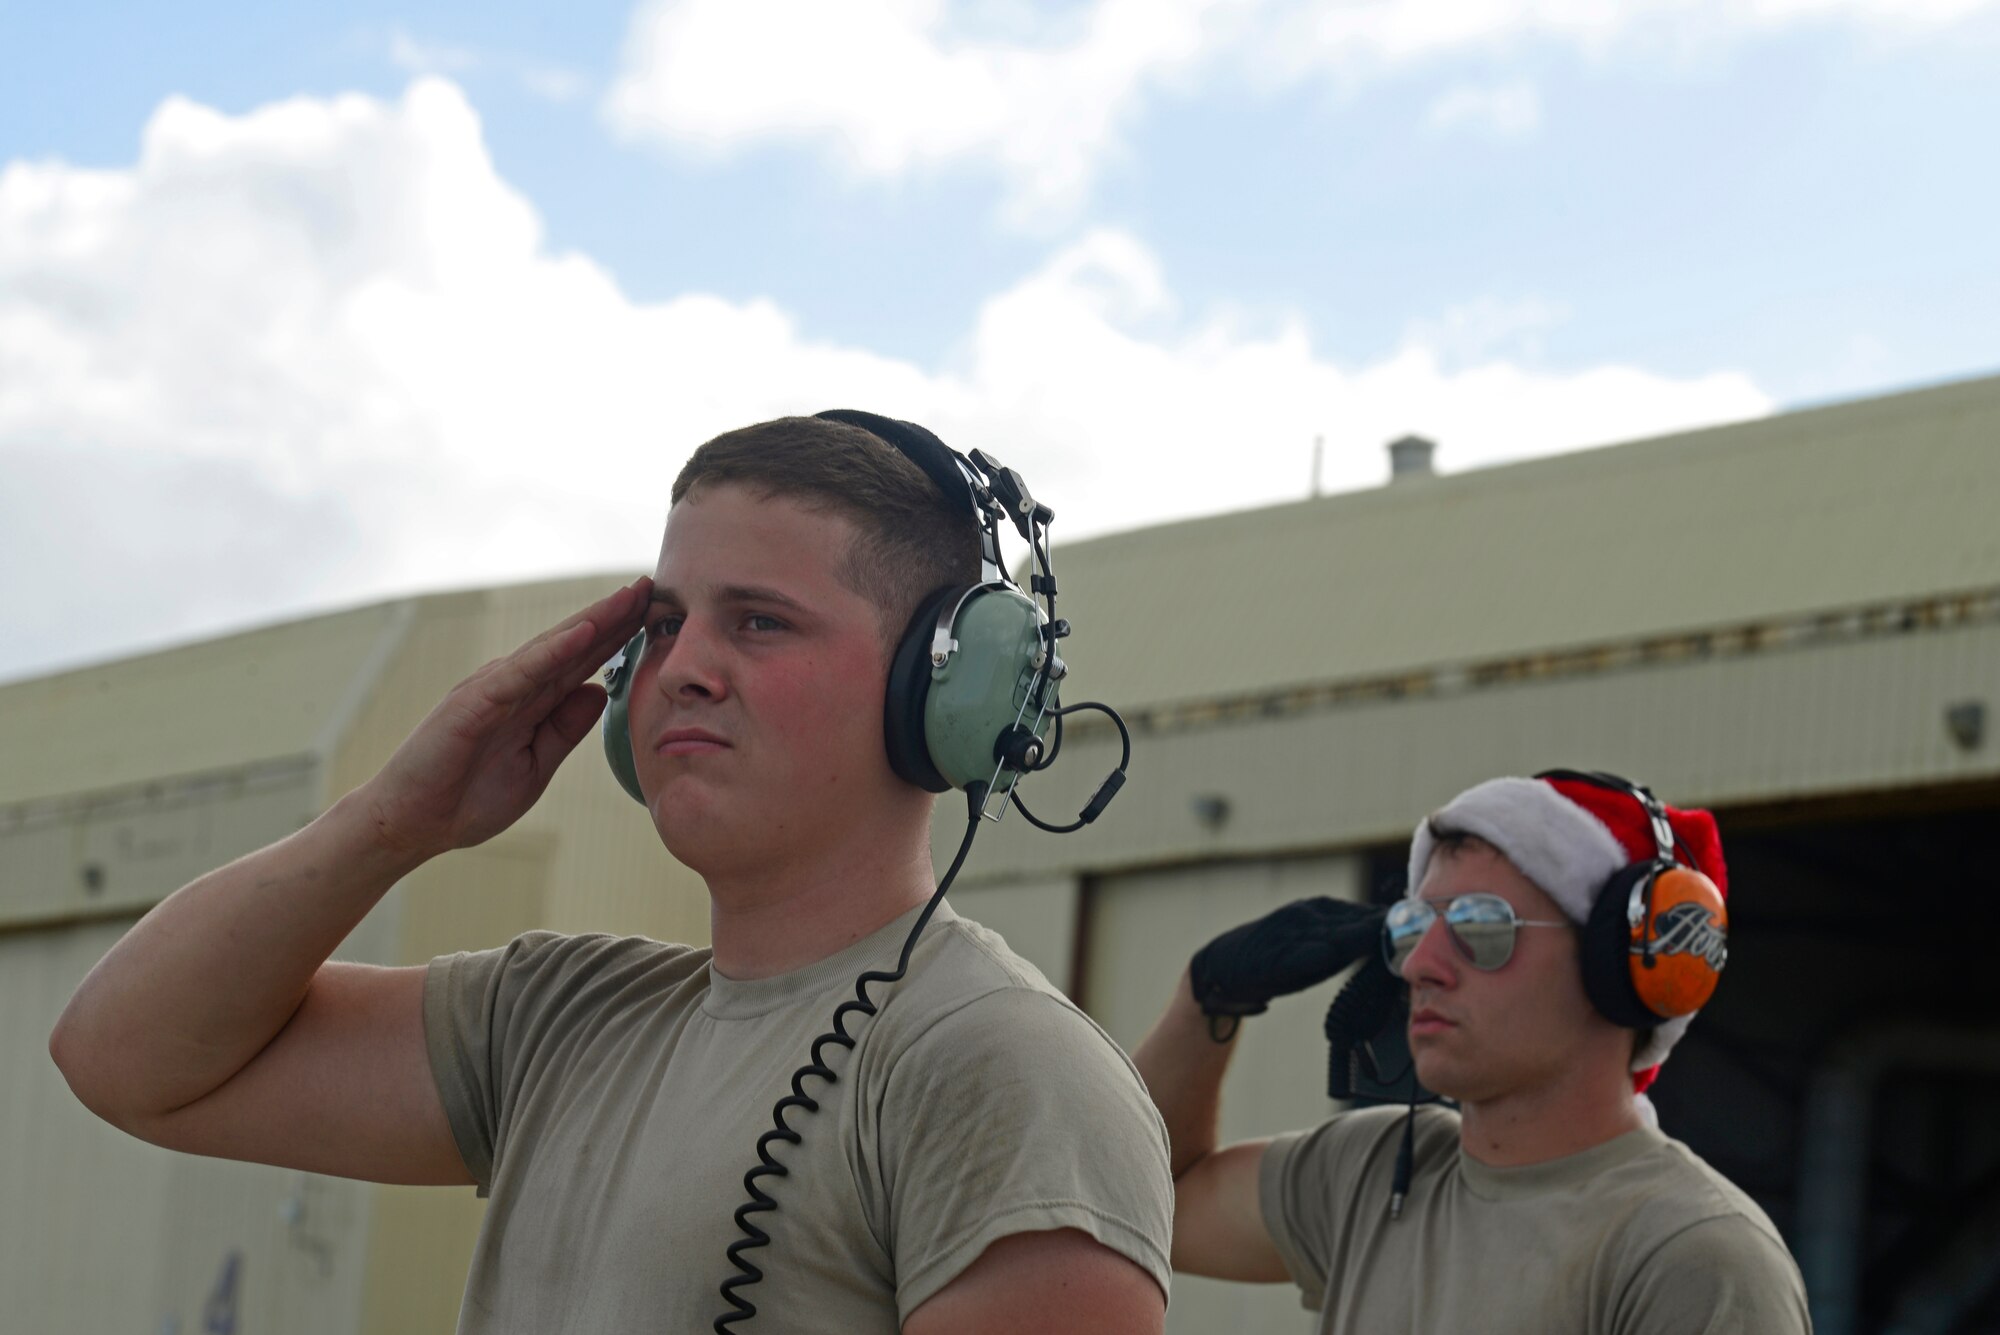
{"points": [[1794, 621]]}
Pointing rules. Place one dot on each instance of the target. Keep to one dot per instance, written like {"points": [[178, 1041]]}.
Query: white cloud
{"points": [[890, 87], [320, 352], [1504, 110]]}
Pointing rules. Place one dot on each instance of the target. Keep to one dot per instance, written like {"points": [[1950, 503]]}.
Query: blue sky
{"points": [[414, 295]]}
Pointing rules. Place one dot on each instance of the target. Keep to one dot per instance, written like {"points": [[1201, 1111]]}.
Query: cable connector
{"points": [[1102, 797]]}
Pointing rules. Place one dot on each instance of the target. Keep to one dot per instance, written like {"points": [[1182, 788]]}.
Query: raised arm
{"points": [[1218, 1228], [217, 1026], [1218, 1221]]}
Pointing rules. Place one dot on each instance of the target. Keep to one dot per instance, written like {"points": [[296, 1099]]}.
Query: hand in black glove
{"points": [[1305, 942]]}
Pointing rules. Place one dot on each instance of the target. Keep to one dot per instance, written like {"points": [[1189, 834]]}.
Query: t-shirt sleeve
{"points": [[1292, 1196], [1016, 1114], [1722, 1276], [498, 1021]]}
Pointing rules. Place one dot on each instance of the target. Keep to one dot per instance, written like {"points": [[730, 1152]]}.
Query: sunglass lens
{"points": [[1484, 926], [1406, 924]]}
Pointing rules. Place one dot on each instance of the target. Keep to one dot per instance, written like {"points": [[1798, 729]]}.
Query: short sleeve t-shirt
{"points": [[608, 1094], [1636, 1236]]}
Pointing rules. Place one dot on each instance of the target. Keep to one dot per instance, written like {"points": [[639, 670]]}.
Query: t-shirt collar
{"points": [[743, 999], [1572, 1170]]}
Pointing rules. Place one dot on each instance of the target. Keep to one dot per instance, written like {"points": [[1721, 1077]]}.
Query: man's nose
{"points": [[691, 663], [1434, 962]]}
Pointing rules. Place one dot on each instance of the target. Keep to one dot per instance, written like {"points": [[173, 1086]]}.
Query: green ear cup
{"points": [[978, 692], [618, 722]]}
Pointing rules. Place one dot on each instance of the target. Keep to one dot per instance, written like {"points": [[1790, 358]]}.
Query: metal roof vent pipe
{"points": [[1410, 456]]}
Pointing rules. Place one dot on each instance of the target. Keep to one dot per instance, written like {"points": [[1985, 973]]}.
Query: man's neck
{"points": [[775, 917], [1549, 1122]]}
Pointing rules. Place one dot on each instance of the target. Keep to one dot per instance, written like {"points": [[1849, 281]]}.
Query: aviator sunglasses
{"points": [[1480, 925]]}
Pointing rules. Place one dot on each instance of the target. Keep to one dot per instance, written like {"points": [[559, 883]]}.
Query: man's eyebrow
{"points": [[738, 593]]}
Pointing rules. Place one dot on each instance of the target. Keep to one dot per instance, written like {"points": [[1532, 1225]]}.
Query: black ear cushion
{"points": [[909, 691], [1607, 950]]}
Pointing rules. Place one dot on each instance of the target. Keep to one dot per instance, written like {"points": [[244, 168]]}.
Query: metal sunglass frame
{"points": [[1431, 913]]}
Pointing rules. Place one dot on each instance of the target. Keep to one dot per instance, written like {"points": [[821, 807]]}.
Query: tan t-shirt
{"points": [[608, 1094], [1636, 1236]]}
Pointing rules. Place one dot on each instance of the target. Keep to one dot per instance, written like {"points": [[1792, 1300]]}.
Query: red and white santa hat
{"points": [[1570, 836]]}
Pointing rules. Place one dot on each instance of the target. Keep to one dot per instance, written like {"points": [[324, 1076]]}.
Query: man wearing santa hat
{"points": [[1557, 936]]}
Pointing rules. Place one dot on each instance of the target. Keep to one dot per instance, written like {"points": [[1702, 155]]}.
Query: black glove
{"points": [[1305, 942]]}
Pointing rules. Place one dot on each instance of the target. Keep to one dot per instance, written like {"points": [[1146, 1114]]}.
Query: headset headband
{"points": [[951, 471], [1665, 842]]}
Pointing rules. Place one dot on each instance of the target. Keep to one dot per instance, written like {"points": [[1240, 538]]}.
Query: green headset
{"points": [[973, 684]]}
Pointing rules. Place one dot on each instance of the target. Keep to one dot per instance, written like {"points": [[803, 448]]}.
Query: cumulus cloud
{"points": [[890, 87], [321, 352]]}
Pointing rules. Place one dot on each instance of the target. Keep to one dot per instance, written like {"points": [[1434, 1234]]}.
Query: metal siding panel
{"points": [[79, 1202], [201, 708], [103, 1232], [1143, 929], [124, 852], [1852, 716], [1833, 507]]}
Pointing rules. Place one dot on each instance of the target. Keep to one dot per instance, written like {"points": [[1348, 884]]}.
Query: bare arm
{"points": [[1061, 1282], [1218, 1224], [216, 1024]]}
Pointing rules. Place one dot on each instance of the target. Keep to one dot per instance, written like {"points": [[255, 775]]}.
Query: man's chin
{"points": [[1442, 1076]]}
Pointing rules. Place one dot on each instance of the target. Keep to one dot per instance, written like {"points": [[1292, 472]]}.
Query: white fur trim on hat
{"points": [[1665, 1035], [1556, 844]]}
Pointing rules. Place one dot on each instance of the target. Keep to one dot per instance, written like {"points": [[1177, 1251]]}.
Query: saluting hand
{"points": [[1285, 951], [485, 754]]}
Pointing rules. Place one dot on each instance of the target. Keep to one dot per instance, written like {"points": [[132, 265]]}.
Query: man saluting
{"points": [[987, 1160]]}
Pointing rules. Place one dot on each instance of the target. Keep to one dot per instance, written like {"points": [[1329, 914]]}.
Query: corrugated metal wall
{"points": [[100, 1232], [1850, 715]]}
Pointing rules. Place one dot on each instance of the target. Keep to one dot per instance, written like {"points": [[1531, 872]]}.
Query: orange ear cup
{"points": [[1679, 947]]}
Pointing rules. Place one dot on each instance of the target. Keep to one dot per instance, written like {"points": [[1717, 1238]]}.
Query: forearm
{"points": [[206, 979], [1183, 1067]]}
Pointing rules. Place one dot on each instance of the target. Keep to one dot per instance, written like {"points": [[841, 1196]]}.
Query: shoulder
{"points": [[1699, 1254], [972, 1001], [1673, 1189], [1727, 1274]]}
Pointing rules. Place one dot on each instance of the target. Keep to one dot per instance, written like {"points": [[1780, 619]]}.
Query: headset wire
{"points": [[761, 1202]]}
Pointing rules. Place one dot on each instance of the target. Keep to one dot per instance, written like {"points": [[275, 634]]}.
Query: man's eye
{"points": [[758, 621], [664, 626]]}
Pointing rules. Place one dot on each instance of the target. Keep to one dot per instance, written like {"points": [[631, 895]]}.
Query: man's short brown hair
{"points": [[1449, 841], [909, 539]]}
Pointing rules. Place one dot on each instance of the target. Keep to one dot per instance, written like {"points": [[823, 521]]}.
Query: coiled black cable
{"points": [[760, 1202], [1361, 1010], [1105, 791]]}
